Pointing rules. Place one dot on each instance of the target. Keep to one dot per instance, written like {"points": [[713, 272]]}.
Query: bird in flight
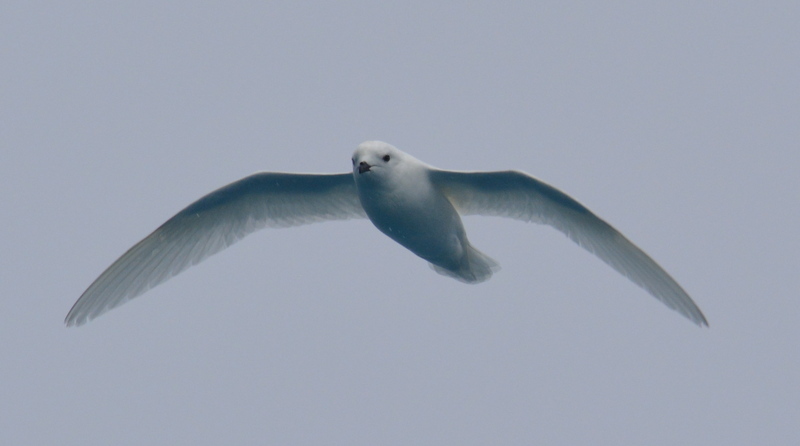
{"points": [[417, 205]]}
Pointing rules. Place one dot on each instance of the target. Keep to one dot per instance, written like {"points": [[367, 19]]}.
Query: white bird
{"points": [[415, 204]]}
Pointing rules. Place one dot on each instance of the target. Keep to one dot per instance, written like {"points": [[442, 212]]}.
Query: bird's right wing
{"points": [[520, 196], [213, 223]]}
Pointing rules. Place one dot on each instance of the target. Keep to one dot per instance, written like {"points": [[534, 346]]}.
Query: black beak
{"points": [[363, 167]]}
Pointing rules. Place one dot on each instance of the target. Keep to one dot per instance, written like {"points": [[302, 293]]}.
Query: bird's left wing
{"points": [[213, 223], [520, 196]]}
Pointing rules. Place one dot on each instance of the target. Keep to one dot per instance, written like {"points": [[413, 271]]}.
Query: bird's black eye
{"points": [[353, 160], [386, 158]]}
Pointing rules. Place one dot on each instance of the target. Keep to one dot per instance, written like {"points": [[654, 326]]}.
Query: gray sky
{"points": [[676, 122]]}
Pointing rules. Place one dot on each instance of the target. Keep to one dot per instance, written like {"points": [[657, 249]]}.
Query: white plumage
{"points": [[415, 204]]}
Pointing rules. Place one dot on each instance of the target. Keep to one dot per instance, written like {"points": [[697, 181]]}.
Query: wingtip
{"points": [[698, 318], [75, 320]]}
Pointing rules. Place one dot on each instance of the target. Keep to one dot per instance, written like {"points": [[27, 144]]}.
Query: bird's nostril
{"points": [[363, 166]]}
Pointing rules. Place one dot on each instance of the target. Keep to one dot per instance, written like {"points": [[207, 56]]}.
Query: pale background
{"points": [[678, 122]]}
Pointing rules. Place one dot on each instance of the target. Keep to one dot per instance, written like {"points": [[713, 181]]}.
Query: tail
{"points": [[475, 267]]}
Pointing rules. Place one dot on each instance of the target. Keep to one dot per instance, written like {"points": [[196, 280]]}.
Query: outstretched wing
{"points": [[213, 223], [520, 196]]}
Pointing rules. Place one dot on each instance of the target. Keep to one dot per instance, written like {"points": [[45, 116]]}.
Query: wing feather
{"points": [[213, 223], [520, 196]]}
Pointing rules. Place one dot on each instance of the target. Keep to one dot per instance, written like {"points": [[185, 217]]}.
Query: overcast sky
{"points": [[677, 122]]}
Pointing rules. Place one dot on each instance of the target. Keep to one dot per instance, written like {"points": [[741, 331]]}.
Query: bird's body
{"points": [[416, 205], [404, 204]]}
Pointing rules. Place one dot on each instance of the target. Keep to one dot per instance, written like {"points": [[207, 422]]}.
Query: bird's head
{"points": [[379, 162]]}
